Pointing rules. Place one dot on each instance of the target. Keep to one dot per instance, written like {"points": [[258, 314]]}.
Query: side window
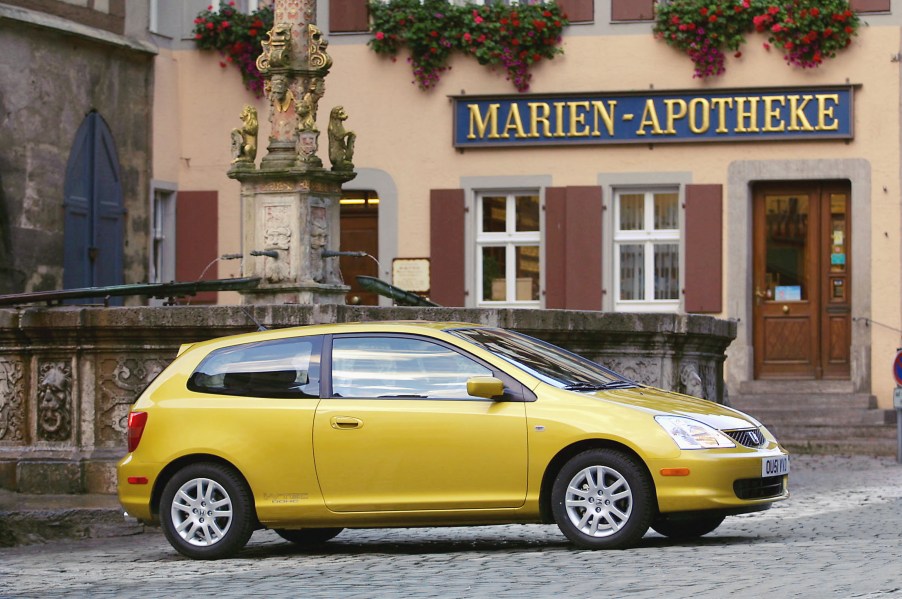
{"points": [[286, 368], [371, 367]]}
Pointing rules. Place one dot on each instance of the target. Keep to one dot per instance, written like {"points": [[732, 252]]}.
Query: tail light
{"points": [[136, 422]]}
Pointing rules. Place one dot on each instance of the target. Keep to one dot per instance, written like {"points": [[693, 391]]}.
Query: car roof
{"points": [[390, 326]]}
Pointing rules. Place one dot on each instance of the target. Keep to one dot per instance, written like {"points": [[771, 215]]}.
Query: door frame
{"points": [[739, 289]]}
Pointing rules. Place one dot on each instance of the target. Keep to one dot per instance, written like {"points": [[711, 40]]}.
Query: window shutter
{"points": [[704, 248], [348, 16], [632, 10], [578, 11], [870, 5], [197, 239], [446, 247], [573, 248]]}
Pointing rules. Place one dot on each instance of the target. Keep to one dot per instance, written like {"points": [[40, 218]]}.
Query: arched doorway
{"points": [[93, 237]]}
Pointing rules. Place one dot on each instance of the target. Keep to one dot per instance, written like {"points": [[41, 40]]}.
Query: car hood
{"points": [[659, 402]]}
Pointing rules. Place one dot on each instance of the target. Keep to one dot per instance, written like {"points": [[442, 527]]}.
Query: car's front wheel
{"points": [[308, 536], [206, 511], [602, 499], [677, 527]]}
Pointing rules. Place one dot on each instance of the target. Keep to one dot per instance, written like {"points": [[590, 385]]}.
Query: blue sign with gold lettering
{"points": [[654, 117]]}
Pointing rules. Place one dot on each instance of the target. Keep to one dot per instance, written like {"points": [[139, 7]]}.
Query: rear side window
{"points": [[286, 368]]}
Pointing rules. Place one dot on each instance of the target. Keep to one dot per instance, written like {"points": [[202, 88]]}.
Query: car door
{"points": [[398, 431]]}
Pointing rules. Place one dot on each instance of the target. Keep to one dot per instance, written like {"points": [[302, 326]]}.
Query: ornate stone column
{"points": [[290, 205]]}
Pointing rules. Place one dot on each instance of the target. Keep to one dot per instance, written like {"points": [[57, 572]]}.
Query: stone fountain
{"points": [[290, 204]]}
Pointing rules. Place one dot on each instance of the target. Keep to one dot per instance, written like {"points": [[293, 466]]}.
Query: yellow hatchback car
{"points": [[312, 430]]}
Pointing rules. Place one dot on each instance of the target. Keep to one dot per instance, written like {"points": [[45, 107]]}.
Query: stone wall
{"points": [[69, 375], [53, 72]]}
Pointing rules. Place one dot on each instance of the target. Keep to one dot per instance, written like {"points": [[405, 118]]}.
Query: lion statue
{"points": [[244, 139], [341, 142]]}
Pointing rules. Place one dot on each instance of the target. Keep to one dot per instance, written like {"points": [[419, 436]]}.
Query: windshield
{"points": [[553, 365]]}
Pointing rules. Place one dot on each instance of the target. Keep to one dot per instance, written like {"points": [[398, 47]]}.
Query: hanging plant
{"points": [[237, 36], [806, 31], [510, 37]]}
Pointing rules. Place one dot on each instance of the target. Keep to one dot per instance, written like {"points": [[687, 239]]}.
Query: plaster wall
{"points": [[406, 134]]}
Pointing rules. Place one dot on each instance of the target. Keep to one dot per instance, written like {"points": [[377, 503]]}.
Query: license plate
{"points": [[777, 466]]}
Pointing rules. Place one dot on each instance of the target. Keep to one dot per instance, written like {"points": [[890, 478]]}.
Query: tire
{"points": [[682, 528], [308, 536], [206, 511], [626, 494]]}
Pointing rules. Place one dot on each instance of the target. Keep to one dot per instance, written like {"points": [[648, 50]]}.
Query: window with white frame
{"points": [[507, 246], [647, 250], [162, 263]]}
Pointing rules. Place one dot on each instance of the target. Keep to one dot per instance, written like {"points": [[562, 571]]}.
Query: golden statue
{"points": [[276, 48], [317, 55], [341, 142], [279, 93], [244, 139]]}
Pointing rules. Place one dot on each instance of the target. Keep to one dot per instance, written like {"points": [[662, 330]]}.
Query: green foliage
{"points": [[806, 31], [511, 37], [237, 36]]}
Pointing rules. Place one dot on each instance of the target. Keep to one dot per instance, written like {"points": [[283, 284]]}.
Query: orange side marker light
{"points": [[674, 471]]}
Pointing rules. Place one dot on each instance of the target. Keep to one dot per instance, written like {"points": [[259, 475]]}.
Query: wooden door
{"points": [[360, 232], [801, 280]]}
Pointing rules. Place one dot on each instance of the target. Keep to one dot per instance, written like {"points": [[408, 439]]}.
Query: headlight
{"points": [[692, 434]]}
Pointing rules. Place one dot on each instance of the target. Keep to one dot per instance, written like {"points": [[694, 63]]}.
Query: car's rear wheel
{"points": [[683, 527], [206, 511], [602, 499], [308, 536]]}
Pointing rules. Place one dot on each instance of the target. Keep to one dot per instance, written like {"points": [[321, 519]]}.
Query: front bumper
{"points": [[729, 480]]}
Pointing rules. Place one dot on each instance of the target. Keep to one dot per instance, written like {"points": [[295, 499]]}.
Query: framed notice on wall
{"points": [[411, 274]]}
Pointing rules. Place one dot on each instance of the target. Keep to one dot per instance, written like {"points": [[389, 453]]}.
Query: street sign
{"points": [[897, 368]]}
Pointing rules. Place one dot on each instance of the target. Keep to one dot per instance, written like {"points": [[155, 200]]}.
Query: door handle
{"points": [[346, 422]]}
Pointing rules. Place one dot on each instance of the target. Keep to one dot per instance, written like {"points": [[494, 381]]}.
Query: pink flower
{"points": [[380, 35], [477, 19], [468, 37]]}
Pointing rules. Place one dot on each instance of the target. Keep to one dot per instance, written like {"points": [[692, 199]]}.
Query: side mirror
{"points": [[485, 386]]}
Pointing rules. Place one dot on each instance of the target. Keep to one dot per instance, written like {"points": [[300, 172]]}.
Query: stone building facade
{"points": [[76, 107]]}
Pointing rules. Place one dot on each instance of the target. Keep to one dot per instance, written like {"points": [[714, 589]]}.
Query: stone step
{"points": [[795, 387], [748, 402], [30, 519], [829, 416], [803, 432], [839, 446]]}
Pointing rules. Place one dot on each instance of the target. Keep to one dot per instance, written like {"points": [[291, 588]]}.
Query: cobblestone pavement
{"points": [[840, 535]]}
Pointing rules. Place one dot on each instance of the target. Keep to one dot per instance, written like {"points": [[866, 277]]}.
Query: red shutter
{"points": [[197, 239], [632, 10], [870, 5], [446, 247], [573, 248], [704, 248], [555, 247], [348, 16], [578, 11]]}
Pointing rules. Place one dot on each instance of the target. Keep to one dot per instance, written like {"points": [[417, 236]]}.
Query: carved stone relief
{"points": [[119, 383], [319, 240], [277, 234], [12, 401], [54, 401], [640, 370]]}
